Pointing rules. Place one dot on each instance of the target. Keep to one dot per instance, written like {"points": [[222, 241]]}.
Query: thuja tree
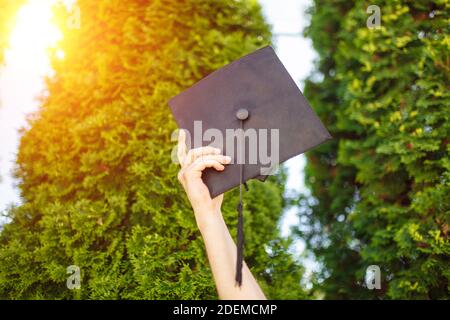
{"points": [[98, 185], [381, 189]]}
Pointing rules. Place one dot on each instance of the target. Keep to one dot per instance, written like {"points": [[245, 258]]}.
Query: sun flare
{"points": [[34, 30]]}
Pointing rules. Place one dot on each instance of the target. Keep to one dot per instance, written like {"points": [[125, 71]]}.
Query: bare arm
{"points": [[220, 247]]}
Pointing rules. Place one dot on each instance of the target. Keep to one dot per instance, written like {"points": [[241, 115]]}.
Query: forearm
{"points": [[221, 251], [220, 247]]}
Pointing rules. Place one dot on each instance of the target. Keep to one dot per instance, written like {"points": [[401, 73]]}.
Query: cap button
{"points": [[242, 114]]}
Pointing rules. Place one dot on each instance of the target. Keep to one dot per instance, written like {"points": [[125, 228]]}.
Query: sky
{"points": [[288, 19], [21, 81], [26, 63], [296, 53]]}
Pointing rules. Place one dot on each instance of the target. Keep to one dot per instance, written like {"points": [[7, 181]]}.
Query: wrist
{"points": [[208, 219]]}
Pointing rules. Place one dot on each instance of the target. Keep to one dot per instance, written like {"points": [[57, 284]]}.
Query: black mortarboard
{"points": [[255, 93]]}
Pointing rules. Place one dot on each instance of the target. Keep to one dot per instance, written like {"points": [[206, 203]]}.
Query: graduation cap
{"points": [[254, 112]]}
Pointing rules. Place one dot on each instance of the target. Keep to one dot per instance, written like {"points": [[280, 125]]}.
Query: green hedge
{"points": [[99, 188], [381, 189]]}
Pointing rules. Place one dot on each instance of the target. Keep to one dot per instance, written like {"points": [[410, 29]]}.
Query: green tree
{"points": [[381, 189], [98, 185]]}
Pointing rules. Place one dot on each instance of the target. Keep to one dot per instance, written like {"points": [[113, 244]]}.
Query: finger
{"points": [[180, 176], [220, 159], [194, 154], [181, 150], [201, 164], [216, 157]]}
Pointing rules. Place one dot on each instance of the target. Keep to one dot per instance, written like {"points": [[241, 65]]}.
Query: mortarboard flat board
{"points": [[256, 95], [259, 83]]}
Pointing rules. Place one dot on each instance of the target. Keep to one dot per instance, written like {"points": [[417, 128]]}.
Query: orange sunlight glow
{"points": [[22, 75], [34, 31]]}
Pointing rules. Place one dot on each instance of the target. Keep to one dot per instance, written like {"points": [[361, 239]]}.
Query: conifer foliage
{"points": [[381, 189], [98, 185]]}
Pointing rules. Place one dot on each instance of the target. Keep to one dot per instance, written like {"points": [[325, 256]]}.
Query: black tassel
{"points": [[240, 226], [240, 243]]}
